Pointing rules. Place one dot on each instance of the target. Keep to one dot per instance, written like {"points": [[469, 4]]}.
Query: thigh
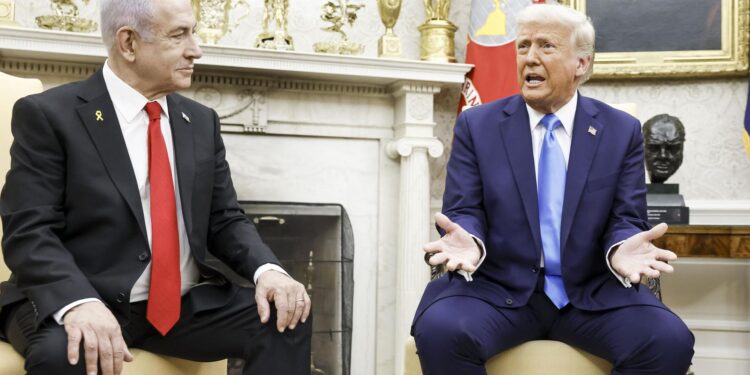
{"points": [[472, 329], [231, 331], [636, 339], [44, 347]]}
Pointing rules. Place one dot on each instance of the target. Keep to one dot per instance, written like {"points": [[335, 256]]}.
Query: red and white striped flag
{"points": [[491, 48]]}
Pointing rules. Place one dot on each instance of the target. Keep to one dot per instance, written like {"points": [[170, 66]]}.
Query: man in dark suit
{"points": [[544, 225], [117, 191]]}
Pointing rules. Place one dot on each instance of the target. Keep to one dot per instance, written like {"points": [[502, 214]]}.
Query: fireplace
{"points": [[314, 243]]}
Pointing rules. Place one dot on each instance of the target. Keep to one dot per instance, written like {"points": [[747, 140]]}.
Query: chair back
{"points": [[18, 88]]}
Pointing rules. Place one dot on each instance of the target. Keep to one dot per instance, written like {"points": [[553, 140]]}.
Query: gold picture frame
{"points": [[725, 23]]}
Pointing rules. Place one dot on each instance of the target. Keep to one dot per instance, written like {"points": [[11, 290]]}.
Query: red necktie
{"points": [[163, 309]]}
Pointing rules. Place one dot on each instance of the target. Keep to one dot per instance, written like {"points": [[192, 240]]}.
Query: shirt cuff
{"points": [[58, 316], [480, 244], [623, 280], [267, 267]]}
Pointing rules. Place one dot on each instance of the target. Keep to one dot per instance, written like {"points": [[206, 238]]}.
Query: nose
{"points": [[532, 56], [663, 152], [194, 51]]}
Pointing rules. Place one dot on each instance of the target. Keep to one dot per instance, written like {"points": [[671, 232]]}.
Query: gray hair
{"points": [[582, 31], [116, 14]]}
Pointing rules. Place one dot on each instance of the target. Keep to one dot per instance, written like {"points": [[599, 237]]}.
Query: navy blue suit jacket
{"points": [[491, 192]]}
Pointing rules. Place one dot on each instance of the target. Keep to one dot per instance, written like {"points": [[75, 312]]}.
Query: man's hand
{"points": [[637, 256], [289, 296], [93, 323], [456, 249]]}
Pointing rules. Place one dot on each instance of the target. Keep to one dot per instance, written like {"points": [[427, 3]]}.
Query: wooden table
{"points": [[710, 241]]}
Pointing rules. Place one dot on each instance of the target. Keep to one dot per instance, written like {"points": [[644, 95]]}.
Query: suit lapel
{"points": [[517, 138], [182, 134], [99, 118], [582, 150]]}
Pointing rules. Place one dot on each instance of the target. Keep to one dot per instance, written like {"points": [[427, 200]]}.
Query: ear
{"points": [[583, 65], [126, 43]]}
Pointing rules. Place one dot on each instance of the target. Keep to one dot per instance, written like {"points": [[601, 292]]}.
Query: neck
{"points": [[127, 74]]}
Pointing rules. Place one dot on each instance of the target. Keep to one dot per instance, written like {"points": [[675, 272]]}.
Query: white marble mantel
{"points": [[304, 127]]}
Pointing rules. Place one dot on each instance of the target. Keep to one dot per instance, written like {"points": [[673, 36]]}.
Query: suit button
{"points": [[508, 301], [534, 269], [144, 256], [121, 297]]}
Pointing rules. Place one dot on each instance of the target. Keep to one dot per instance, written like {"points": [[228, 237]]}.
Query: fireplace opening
{"points": [[315, 245]]}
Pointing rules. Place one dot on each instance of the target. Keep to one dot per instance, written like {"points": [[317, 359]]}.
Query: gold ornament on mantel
{"points": [[276, 13], [437, 33], [339, 13], [66, 18], [389, 45], [212, 18]]}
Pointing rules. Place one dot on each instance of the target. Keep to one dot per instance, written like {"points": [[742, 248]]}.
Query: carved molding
{"points": [[405, 146]]}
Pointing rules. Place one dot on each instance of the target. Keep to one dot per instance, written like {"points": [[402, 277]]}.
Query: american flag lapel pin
{"points": [[592, 130], [186, 117]]}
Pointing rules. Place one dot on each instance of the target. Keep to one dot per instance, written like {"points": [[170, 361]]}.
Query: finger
{"points": [[662, 267], [444, 222], [91, 351], [264, 310], [635, 277], [128, 357], [308, 307], [118, 353], [468, 267], [652, 273], [74, 342], [106, 356], [282, 315], [434, 246], [299, 308], [656, 232], [291, 307], [453, 264], [666, 255], [438, 259]]}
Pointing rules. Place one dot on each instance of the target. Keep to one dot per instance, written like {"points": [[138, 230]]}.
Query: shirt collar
{"points": [[566, 114], [127, 100]]}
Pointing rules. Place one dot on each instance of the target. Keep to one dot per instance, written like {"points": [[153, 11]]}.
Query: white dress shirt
{"points": [[131, 114], [563, 135]]}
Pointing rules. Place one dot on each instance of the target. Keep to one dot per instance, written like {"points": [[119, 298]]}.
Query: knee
{"points": [[438, 334], [47, 354], [669, 348]]}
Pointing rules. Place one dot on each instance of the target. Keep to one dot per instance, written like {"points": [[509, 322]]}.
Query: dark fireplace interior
{"points": [[314, 243]]}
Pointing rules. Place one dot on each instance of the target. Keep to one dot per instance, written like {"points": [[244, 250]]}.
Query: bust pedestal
{"points": [[666, 204]]}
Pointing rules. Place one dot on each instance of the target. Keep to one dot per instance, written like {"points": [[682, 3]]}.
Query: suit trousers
{"points": [[231, 331], [458, 334]]}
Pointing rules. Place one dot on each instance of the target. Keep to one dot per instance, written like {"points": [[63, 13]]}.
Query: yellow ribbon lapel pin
{"points": [[99, 116]]}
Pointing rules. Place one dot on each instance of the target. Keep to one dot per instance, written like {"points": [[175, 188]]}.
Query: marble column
{"points": [[414, 143]]}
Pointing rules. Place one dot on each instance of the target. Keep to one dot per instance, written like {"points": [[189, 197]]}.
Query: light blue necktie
{"points": [[551, 190]]}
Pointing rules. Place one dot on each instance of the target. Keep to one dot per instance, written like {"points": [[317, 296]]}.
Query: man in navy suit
{"points": [[544, 227]]}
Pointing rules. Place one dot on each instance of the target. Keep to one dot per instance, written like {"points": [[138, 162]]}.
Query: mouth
{"points": [[188, 69], [533, 79]]}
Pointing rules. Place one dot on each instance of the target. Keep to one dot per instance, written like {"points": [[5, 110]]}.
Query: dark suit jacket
{"points": [[72, 218], [491, 192]]}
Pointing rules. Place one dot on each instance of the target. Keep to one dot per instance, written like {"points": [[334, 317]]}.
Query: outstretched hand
{"points": [[456, 249], [637, 256]]}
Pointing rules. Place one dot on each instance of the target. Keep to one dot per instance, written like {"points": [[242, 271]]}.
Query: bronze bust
{"points": [[664, 136]]}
